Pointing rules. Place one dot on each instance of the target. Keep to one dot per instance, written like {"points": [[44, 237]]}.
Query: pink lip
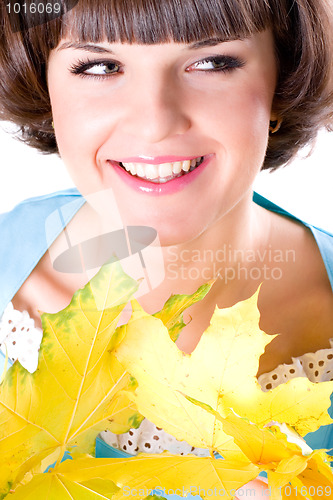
{"points": [[168, 187], [156, 160]]}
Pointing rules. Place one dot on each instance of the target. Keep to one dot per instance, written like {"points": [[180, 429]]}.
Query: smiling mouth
{"points": [[164, 172]]}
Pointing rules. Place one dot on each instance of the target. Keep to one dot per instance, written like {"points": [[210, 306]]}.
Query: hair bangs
{"points": [[159, 21]]}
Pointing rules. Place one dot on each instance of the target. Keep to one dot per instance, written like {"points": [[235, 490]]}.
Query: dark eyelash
{"points": [[81, 66], [229, 63]]}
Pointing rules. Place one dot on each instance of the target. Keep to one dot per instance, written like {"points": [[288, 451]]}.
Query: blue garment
{"points": [[24, 242]]}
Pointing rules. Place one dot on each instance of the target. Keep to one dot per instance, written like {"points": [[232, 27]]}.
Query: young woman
{"points": [[175, 107]]}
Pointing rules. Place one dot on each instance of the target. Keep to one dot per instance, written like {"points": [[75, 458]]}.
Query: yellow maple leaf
{"points": [[137, 477], [221, 372], [80, 388], [57, 485], [314, 483], [286, 458], [74, 394]]}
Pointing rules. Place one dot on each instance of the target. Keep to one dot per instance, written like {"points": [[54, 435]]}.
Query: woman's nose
{"points": [[154, 112]]}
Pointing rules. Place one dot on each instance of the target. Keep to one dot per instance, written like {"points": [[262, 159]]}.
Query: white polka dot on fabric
{"points": [[150, 439], [21, 338], [317, 367]]}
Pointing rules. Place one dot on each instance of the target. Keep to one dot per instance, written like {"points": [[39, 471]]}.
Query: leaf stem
{"points": [[62, 452]]}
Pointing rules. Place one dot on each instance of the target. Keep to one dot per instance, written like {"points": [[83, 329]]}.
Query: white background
{"points": [[305, 187]]}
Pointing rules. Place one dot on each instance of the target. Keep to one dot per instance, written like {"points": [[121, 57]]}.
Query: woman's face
{"points": [[205, 106]]}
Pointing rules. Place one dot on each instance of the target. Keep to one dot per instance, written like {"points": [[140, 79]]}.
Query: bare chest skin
{"points": [[298, 306]]}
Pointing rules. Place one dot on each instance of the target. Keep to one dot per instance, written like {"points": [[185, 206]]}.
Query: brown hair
{"points": [[301, 28]]}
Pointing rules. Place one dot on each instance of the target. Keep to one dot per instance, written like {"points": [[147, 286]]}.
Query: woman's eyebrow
{"points": [[85, 46], [89, 47], [211, 42]]}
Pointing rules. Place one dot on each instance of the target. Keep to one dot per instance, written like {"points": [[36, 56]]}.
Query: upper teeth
{"points": [[162, 170]]}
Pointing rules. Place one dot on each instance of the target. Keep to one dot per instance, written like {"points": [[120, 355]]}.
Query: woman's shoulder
{"points": [[29, 217], [323, 239], [299, 305], [40, 206], [27, 231]]}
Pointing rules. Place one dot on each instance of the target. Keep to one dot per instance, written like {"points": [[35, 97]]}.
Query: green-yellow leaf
{"points": [[74, 394], [172, 312]]}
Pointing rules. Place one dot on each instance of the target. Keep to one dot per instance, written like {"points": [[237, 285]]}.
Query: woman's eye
{"points": [[95, 69], [218, 63]]}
